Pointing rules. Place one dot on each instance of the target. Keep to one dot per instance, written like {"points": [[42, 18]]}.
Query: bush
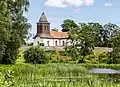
{"points": [[103, 57], [35, 55], [114, 57]]}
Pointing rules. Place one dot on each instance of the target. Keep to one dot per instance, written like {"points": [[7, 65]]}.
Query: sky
{"points": [[56, 11]]}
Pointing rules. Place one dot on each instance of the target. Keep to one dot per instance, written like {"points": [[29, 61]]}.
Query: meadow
{"points": [[56, 75]]}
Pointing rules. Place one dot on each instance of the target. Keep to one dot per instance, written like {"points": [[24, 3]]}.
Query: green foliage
{"points": [[51, 56], [108, 66], [96, 29], [108, 32], [88, 35], [8, 79], [72, 51], [115, 54], [5, 25], [82, 43], [86, 40], [56, 75], [57, 56], [103, 58], [13, 29], [67, 25], [101, 34], [35, 55]]}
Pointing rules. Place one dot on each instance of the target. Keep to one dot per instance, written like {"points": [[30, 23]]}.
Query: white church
{"points": [[47, 37]]}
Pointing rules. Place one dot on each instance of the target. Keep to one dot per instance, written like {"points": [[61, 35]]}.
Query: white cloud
{"points": [[55, 3], [67, 3], [108, 4]]}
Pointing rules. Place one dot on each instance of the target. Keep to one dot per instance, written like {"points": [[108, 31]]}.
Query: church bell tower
{"points": [[43, 26]]}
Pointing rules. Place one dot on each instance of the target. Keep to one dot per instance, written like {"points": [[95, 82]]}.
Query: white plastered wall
{"points": [[52, 42]]}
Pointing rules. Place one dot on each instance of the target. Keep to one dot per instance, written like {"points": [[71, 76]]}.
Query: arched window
{"points": [[48, 43], [63, 43], [56, 44]]}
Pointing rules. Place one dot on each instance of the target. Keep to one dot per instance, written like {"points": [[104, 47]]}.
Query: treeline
{"points": [[101, 35], [85, 36]]}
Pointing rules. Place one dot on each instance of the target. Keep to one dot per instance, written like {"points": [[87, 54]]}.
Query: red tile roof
{"points": [[61, 35]]}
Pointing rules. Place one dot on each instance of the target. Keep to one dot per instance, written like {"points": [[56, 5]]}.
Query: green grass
{"points": [[55, 74], [100, 50], [52, 75]]}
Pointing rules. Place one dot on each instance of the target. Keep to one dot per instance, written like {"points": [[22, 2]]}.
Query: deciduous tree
{"points": [[68, 24], [17, 29], [82, 43]]}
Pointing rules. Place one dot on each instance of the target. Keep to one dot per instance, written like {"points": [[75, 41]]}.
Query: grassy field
{"points": [[100, 50], [55, 75], [52, 75]]}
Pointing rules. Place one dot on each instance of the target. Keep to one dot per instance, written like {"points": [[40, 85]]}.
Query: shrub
{"points": [[114, 57], [103, 58], [35, 55]]}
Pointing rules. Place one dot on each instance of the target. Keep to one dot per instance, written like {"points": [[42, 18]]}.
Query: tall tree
{"points": [[109, 31], [86, 41], [68, 24], [82, 43], [96, 29], [114, 57], [5, 25], [18, 30]]}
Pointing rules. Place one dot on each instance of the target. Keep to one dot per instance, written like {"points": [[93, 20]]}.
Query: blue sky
{"points": [[101, 11]]}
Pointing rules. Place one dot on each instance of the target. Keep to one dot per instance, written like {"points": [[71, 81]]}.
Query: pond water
{"points": [[104, 71], [107, 74]]}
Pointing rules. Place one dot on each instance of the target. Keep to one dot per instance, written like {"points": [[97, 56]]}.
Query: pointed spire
{"points": [[43, 18]]}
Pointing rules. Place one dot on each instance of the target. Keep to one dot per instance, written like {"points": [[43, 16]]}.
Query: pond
{"points": [[108, 74], [104, 71]]}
